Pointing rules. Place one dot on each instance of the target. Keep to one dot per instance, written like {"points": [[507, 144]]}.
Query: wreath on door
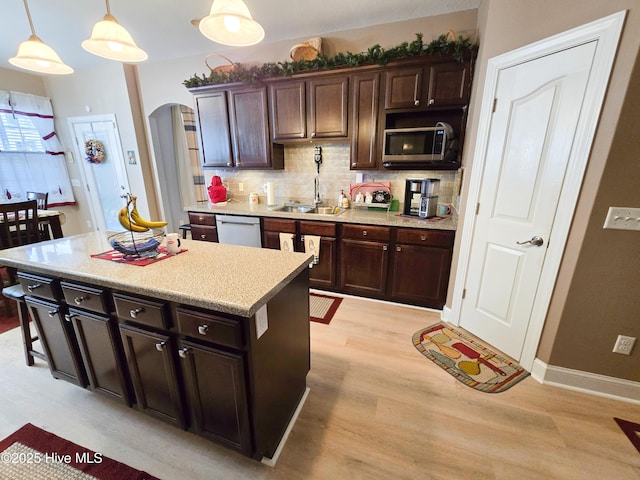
{"points": [[94, 150]]}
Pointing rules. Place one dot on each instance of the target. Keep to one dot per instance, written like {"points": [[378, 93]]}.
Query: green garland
{"points": [[374, 55]]}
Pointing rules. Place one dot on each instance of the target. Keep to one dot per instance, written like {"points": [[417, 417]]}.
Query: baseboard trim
{"points": [[446, 314], [586, 382]]}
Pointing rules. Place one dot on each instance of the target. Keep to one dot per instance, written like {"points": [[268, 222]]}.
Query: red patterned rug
{"points": [[323, 307], [35, 454], [467, 359]]}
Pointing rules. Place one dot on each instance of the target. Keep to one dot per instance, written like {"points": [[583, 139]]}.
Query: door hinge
{"points": [[464, 293], [477, 208], [495, 104]]}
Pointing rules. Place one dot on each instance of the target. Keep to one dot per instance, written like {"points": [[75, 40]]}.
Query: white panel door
{"points": [[538, 105]]}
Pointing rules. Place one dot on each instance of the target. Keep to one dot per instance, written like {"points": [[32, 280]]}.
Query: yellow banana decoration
{"points": [[138, 220], [123, 218]]}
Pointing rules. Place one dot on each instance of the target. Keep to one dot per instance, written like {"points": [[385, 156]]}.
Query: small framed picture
{"points": [[131, 155]]}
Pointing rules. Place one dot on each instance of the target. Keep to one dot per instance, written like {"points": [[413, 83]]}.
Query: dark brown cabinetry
{"points": [[364, 120], [364, 259], [203, 226], [234, 129], [421, 267], [322, 274], [449, 84], [98, 339], [310, 109], [403, 88]]}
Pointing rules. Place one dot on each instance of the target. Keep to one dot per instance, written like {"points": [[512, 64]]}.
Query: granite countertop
{"points": [[351, 215], [224, 278]]}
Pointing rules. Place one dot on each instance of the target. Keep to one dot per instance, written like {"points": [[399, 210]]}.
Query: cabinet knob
{"points": [[229, 164], [33, 287], [364, 233], [160, 346], [133, 313], [203, 236], [202, 329], [432, 101], [313, 134], [398, 249], [53, 313], [68, 317], [416, 103], [79, 300], [423, 237], [183, 352], [385, 248]]}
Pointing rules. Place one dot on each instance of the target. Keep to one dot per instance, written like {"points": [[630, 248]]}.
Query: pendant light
{"points": [[230, 23], [37, 56], [111, 40]]}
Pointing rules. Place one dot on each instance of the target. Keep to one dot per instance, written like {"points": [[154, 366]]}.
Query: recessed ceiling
{"points": [[164, 30]]}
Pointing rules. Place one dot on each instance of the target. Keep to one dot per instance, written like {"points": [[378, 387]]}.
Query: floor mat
{"points": [[323, 307], [468, 360]]}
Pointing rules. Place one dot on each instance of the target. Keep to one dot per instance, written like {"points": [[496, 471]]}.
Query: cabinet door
{"points": [[328, 107], [215, 136], [288, 103], [364, 125], [250, 128], [101, 351], [58, 341], [403, 88], [449, 84], [217, 395], [420, 275], [323, 274], [204, 233], [363, 266], [150, 358]]}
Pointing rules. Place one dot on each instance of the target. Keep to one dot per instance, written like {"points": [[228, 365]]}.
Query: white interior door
{"points": [[532, 132], [106, 181]]}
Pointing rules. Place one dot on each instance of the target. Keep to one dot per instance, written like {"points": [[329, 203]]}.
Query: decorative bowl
{"points": [[137, 244]]}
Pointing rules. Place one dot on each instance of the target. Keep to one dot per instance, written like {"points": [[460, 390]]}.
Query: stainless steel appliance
{"points": [[236, 230], [421, 197], [421, 145]]}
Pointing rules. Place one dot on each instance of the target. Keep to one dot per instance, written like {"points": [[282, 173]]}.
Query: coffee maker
{"points": [[421, 197]]}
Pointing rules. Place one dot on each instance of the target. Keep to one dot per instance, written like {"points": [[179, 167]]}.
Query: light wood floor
{"points": [[377, 409]]}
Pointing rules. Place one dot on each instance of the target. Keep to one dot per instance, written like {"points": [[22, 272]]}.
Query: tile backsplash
{"points": [[296, 181]]}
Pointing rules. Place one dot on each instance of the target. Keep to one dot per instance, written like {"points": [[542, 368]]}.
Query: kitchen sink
{"points": [[297, 208]]}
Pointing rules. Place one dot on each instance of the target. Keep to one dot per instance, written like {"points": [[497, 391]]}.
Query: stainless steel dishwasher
{"points": [[237, 230]]}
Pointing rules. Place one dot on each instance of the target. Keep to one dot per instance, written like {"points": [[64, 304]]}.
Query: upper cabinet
{"points": [[449, 84], [365, 88], [403, 88], [234, 129], [310, 109]]}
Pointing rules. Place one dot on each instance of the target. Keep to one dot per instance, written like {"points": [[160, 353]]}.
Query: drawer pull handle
{"points": [[202, 329], [33, 287], [133, 313], [160, 346], [364, 233], [52, 313], [432, 101], [79, 300], [183, 352], [423, 237], [203, 236]]}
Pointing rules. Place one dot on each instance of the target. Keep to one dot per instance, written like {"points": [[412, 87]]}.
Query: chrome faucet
{"points": [[316, 192]]}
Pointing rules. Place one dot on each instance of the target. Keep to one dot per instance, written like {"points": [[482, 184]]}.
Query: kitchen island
{"points": [[214, 340]]}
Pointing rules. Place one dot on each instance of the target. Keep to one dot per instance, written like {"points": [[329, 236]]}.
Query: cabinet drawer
{"points": [[366, 232], [204, 233], [210, 328], [435, 238], [83, 296], [279, 225], [38, 286], [141, 311], [202, 218], [324, 229]]}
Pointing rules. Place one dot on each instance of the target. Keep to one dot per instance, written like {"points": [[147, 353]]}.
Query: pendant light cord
{"points": [[108, 8], [26, 7]]}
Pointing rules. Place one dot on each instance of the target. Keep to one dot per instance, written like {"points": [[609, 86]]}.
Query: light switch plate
{"points": [[623, 218]]}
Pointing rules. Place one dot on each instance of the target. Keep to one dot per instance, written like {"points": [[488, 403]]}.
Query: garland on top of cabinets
{"points": [[443, 45]]}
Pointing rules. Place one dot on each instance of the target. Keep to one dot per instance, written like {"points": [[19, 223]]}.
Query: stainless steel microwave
{"points": [[417, 145]]}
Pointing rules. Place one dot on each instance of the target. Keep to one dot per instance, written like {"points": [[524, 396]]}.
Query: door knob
{"points": [[537, 241]]}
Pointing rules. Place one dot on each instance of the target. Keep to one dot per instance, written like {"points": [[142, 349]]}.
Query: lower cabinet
{"points": [[364, 259], [58, 340], [203, 226]]}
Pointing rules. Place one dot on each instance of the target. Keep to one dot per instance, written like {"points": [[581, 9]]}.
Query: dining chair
{"points": [[42, 199], [19, 226]]}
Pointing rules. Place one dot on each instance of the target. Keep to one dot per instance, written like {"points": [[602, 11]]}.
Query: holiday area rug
{"points": [[467, 359]]}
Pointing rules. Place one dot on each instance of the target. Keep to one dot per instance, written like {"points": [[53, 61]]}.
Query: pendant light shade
{"points": [[35, 55], [111, 40], [230, 23]]}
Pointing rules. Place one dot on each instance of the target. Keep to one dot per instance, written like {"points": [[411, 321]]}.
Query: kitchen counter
{"points": [[350, 215], [224, 278]]}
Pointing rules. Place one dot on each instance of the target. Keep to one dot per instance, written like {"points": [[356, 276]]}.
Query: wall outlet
{"points": [[623, 218], [240, 187], [624, 345]]}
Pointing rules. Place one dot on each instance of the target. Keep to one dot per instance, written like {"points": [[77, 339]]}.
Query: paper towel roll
{"points": [[269, 188]]}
